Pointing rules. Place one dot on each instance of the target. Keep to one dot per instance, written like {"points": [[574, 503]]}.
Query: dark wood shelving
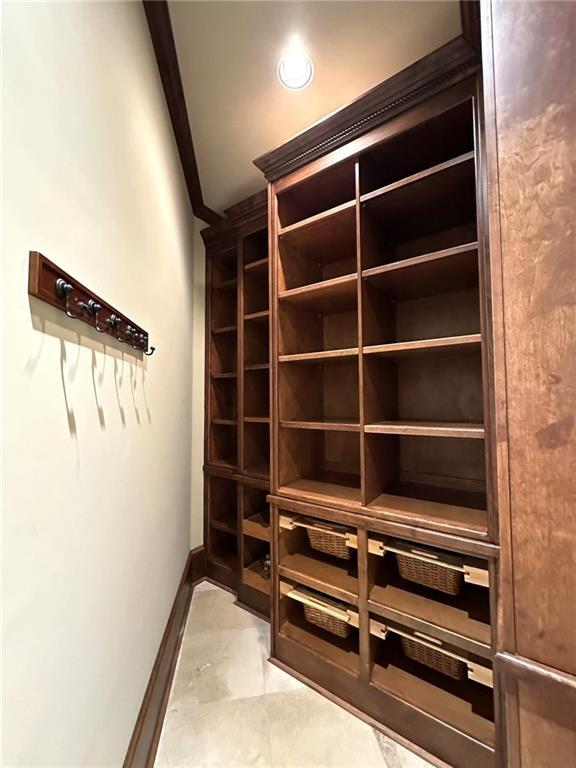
{"points": [[432, 429], [326, 355], [257, 526], [452, 168], [449, 618], [220, 525], [253, 576], [263, 314], [336, 294], [322, 575], [424, 512], [327, 490], [260, 265], [450, 269], [337, 425], [258, 470], [238, 401], [446, 345], [451, 701]]}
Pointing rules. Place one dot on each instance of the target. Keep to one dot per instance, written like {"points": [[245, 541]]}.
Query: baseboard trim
{"points": [[146, 735]]}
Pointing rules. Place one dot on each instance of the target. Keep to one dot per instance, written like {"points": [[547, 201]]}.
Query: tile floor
{"points": [[230, 707]]}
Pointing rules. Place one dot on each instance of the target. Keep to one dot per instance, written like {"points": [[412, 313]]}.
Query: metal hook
{"points": [[63, 290], [147, 351], [93, 308]]}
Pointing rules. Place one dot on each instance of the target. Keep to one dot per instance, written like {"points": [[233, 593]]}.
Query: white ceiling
{"points": [[228, 53]]}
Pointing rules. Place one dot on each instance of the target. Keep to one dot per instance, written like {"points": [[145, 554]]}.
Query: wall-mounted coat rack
{"points": [[51, 284]]}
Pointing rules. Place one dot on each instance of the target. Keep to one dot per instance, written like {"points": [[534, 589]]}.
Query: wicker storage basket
{"points": [[325, 621], [434, 659], [327, 542], [431, 575]]}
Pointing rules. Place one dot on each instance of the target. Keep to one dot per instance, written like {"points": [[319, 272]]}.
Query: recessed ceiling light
{"points": [[295, 68]]}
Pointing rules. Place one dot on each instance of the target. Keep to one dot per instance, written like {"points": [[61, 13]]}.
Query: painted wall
{"points": [[97, 442]]}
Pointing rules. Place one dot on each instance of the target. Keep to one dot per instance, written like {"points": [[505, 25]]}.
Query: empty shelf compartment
{"points": [[317, 194], [256, 343], [257, 449], [429, 480], [331, 393], [223, 549], [223, 448], [255, 513], [222, 502], [256, 571], [223, 398], [256, 393], [320, 465]]}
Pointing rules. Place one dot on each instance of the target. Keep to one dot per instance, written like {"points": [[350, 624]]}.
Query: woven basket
{"points": [[430, 574], [434, 659], [324, 621], [326, 542]]}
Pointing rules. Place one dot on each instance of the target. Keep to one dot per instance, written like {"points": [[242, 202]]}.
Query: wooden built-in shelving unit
{"points": [[380, 429], [237, 466]]}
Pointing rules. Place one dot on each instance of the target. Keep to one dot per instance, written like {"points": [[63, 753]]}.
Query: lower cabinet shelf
{"points": [[406, 636]]}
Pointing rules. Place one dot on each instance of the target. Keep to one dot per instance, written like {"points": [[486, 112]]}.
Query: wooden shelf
{"points": [[257, 419], [324, 356], [225, 375], [257, 367], [260, 265], [450, 269], [449, 618], [322, 491], [259, 470], [256, 526], [340, 653], [225, 561], [335, 425], [445, 345], [221, 525], [225, 422], [327, 226], [225, 329], [449, 707], [426, 428], [447, 168], [261, 316], [225, 284], [321, 574], [223, 464], [420, 511], [336, 295], [252, 576]]}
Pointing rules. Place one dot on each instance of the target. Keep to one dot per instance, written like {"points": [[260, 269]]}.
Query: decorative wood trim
{"points": [[158, 17], [252, 210], [470, 18], [444, 66], [144, 742], [520, 668]]}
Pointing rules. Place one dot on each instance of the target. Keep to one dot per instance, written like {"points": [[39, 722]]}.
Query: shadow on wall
{"points": [[75, 335]]}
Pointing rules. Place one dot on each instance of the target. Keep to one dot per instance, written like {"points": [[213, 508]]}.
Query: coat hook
{"points": [[63, 290], [147, 351], [93, 308]]}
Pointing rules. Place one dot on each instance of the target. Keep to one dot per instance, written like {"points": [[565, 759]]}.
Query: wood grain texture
{"points": [[536, 133]]}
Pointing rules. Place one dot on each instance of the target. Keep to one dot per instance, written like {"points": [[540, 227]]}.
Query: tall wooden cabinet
{"points": [[237, 460], [421, 392]]}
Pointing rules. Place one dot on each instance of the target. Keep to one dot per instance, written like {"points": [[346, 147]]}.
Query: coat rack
{"points": [[51, 284]]}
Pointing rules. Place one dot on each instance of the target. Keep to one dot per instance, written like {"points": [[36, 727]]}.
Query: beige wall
{"points": [[97, 443]]}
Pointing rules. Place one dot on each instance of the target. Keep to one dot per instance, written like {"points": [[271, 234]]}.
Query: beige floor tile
{"points": [[227, 734], [308, 730], [219, 666], [397, 756], [214, 611]]}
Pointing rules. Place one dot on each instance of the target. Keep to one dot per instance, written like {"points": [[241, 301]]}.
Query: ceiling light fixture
{"points": [[295, 68]]}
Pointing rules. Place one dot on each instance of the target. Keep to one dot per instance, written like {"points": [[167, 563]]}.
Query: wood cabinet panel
{"points": [[534, 81]]}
